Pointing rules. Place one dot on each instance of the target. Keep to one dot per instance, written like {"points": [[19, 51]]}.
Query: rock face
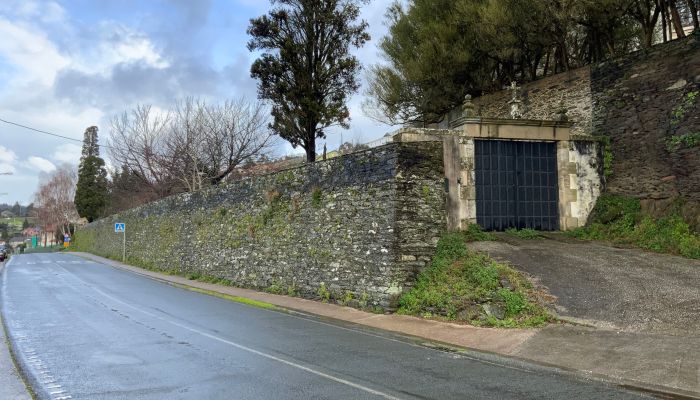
{"points": [[354, 229], [640, 101]]}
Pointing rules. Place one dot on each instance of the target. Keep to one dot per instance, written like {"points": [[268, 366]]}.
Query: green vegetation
{"points": [[438, 51], [306, 76], [237, 299], [324, 293], [525, 233], [474, 233], [316, 197], [196, 276], [468, 286], [686, 104], [91, 190], [619, 219], [687, 140], [607, 156]]}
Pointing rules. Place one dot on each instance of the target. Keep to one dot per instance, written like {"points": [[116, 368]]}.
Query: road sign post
{"points": [[120, 227]]}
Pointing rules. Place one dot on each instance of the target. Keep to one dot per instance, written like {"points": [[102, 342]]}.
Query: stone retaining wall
{"points": [[356, 229]]}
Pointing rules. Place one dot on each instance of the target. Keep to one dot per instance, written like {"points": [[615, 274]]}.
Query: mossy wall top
{"points": [[359, 226]]}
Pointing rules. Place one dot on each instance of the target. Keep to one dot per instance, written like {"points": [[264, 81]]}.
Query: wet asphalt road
{"points": [[83, 330]]}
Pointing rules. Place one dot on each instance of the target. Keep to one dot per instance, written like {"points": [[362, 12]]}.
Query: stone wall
{"points": [[632, 100], [543, 99], [357, 227], [635, 100]]}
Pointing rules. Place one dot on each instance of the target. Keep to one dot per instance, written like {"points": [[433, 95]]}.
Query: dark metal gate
{"points": [[516, 185]]}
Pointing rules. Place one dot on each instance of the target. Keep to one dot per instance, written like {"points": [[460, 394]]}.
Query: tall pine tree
{"points": [[91, 191]]}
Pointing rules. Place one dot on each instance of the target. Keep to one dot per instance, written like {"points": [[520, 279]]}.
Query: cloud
{"points": [[7, 160], [40, 164], [67, 153], [31, 52]]}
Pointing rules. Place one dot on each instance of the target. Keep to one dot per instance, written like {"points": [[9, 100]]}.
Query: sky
{"points": [[67, 65]]}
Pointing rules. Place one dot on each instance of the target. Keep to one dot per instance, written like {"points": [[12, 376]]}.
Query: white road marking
{"points": [[57, 392], [244, 348]]}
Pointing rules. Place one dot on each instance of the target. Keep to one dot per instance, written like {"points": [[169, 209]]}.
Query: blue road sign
{"points": [[119, 227]]}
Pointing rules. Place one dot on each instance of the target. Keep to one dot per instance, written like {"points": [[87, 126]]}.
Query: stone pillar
{"points": [[458, 155], [568, 187]]}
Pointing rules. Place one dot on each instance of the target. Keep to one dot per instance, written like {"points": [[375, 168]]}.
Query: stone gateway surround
{"points": [[356, 228]]}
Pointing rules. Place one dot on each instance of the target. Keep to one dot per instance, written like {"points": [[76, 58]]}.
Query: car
{"points": [[3, 253]]}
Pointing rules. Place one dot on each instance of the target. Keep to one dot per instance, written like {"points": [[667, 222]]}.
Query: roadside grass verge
{"points": [[619, 219], [467, 286]]}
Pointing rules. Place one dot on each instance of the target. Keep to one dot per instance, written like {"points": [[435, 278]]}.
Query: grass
{"points": [[460, 284], [619, 219], [473, 233], [237, 299], [525, 233]]}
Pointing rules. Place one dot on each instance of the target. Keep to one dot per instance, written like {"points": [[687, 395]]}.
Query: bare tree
{"points": [[138, 142], [54, 206], [194, 145]]}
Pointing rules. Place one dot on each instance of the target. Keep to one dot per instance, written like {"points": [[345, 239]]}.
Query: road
{"points": [[87, 331]]}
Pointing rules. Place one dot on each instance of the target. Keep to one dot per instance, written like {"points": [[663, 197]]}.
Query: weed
{"points": [[619, 219], [324, 293], [607, 156], [347, 297], [686, 140], [474, 233], [364, 300], [316, 197], [458, 280], [525, 233], [425, 189], [274, 289], [681, 109]]}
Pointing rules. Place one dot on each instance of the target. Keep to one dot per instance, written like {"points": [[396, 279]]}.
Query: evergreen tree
{"points": [[307, 71], [91, 190]]}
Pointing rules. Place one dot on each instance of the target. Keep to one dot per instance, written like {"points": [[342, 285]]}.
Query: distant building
{"points": [[31, 231], [7, 214]]}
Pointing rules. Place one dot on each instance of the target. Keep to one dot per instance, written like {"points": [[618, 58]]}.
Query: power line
{"points": [[46, 133]]}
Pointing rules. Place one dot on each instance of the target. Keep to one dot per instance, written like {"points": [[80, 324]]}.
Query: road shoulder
{"points": [[11, 384]]}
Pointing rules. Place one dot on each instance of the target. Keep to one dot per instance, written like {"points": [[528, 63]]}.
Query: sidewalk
{"points": [[656, 362], [11, 384]]}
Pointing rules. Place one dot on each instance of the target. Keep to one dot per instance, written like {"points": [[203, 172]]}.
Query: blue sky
{"points": [[67, 65]]}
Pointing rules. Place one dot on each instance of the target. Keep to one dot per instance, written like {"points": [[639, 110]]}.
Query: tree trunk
{"points": [[310, 147], [676, 19], [664, 18], [694, 11]]}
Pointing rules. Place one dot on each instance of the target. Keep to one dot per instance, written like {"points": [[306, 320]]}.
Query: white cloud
{"points": [[67, 153], [32, 54], [40, 164], [7, 160]]}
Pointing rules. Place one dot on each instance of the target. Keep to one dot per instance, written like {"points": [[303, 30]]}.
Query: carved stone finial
{"points": [[561, 113], [468, 106]]}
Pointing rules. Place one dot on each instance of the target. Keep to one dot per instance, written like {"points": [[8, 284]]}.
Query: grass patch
{"points": [[619, 219], [462, 285], [237, 299], [474, 233], [526, 233]]}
